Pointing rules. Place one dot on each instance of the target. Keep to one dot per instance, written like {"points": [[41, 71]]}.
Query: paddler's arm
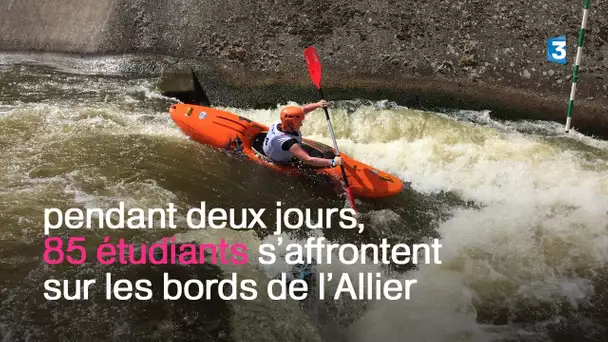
{"points": [[302, 155], [312, 106]]}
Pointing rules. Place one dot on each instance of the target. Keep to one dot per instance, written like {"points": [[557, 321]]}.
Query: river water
{"points": [[520, 209]]}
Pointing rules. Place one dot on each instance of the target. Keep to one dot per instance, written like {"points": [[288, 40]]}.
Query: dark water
{"points": [[520, 210]]}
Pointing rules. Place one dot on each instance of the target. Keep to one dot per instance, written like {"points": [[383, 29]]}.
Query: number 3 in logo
{"points": [[556, 49], [559, 47]]}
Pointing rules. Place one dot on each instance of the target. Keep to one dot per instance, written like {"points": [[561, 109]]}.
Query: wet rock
{"points": [[183, 84], [467, 61], [445, 67], [352, 38]]}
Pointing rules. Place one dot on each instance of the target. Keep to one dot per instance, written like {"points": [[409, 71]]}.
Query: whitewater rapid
{"points": [[520, 208], [540, 234]]}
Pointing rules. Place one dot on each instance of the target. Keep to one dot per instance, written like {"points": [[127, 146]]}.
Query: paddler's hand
{"points": [[322, 104], [336, 161]]}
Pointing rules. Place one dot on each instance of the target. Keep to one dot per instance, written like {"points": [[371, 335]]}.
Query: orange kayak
{"points": [[224, 130]]}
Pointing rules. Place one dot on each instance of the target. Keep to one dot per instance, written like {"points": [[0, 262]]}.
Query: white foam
{"points": [[543, 215]]}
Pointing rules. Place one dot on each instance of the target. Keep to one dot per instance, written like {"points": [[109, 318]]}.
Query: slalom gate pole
{"points": [[579, 53]]}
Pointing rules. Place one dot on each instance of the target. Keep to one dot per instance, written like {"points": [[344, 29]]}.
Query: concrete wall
{"points": [[480, 54]]}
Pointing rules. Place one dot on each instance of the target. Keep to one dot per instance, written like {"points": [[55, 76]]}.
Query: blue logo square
{"points": [[556, 49]]}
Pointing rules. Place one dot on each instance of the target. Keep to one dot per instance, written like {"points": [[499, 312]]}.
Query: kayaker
{"points": [[284, 139]]}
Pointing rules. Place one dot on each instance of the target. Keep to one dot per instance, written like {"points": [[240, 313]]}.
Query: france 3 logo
{"points": [[556, 49]]}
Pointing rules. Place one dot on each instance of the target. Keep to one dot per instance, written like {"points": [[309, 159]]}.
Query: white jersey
{"points": [[273, 144]]}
